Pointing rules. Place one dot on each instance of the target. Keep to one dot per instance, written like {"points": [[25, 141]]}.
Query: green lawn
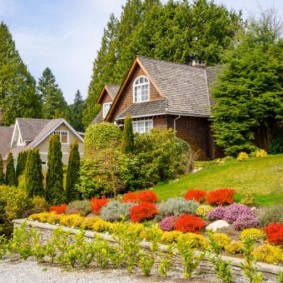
{"points": [[263, 177]]}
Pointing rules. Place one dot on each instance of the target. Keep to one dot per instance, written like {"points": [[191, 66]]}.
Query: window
{"points": [[142, 126], [64, 136], [141, 89], [106, 107]]}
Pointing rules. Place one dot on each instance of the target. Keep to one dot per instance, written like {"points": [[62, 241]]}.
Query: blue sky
{"points": [[65, 35]]}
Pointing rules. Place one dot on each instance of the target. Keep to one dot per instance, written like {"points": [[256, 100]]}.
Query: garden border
{"points": [[269, 271]]}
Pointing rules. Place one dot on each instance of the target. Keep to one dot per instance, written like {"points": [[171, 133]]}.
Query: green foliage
{"points": [[127, 144], [101, 136], [33, 174], [21, 163], [116, 211], [270, 214], [2, 174], [76, 112], [6, 226], [18, 97], [54, 190], [10, 178], [81, 207], [73, 173]]}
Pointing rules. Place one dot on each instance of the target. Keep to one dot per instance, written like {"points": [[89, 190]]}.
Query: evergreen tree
{"points": [[11, 179], [2, 175], [249, 93], [21, 163], [128, 135], [54, 191], [73, 175], [54, 104], [18, 96], [76, 110], [33, 174]]}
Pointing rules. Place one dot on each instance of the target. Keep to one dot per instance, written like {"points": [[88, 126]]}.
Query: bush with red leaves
{"points": [[220, 197], [59, 209], [142, 211], [96, 204], [274, 232], [189, 223], [140, 197], [197, 195]]}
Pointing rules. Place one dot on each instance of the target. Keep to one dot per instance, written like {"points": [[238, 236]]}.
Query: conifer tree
{"points": [[21, 163], [128, 135], [54, 191], [2, 175], [33, 174], [11, 179], [73, 175], [76, 110]]}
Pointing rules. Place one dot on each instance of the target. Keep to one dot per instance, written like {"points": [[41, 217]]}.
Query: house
{"points": [[161, 94], [30, 133]]}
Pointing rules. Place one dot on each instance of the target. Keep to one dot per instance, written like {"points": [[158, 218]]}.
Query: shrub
{"points": [[101, 226], [115, 211], [197, 195], [203, 210], [59, 209], [189, 223], [245, 221], [97, 204], [168, 223], [81, 207], [269, 215], [235, 247], [139, 197], [39, 204], [242, 156], [41, 217], [268, 253], [88, 222], [261, 153], [195, 240], [142, 211], [274, 232], [216, 214], [170, 237], [220, 197], [234, 211], [254, 233], [221, 239], [176, 206], [69, 220], [247, 199]]}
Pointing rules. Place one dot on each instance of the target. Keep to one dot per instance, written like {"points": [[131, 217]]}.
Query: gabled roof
{"points": [[112, 90], [5, 140], [184, 87]]}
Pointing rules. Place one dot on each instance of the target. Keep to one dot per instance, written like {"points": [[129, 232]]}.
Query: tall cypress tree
{"points": [[54, 191], [11, 179], [2, 175], [21, 163], [128, 135], [73, 175], [33, 174]]}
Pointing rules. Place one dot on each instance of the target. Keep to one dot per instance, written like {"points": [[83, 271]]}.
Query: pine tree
{"points": [[11, 179], [73, 175], [18, 96], [54, 104], [76, 110], [21, 163], [33, 174], [2, 175], [54, 191], [128, 135]]}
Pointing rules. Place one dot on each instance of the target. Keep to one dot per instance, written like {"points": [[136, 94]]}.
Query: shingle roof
{"points": [[98, 118], [112, 89], [149, 108], [5, 140], [185, 87], [212, 74]]}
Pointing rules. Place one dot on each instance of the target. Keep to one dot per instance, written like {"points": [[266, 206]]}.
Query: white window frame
{"points": [[106, 108], [59, 132], [142, 126], [138, 95]]}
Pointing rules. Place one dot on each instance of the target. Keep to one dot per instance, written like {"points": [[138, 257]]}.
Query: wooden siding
{"points": [[126, 99]]}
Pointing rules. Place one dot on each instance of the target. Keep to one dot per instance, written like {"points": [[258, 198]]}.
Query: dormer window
{"points": [[106, 107], [64, 136], [141, 89]]}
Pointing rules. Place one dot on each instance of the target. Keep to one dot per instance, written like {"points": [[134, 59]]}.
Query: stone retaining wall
{"points": [[269, 271]]}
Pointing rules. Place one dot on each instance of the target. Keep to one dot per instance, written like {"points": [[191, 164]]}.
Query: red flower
{"points": [[142, 211], [220, 197], [197, 195], [189, 223], [59, 209], [97, 204], [274, 233], [139, 197]]}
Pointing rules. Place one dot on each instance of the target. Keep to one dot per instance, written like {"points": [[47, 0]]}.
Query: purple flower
{"points": [[216, 214], [168, 223], [245, 221], [236, 210]]}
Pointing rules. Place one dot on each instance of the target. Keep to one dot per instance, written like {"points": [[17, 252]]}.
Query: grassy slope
{"points": [[263, 177]]}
